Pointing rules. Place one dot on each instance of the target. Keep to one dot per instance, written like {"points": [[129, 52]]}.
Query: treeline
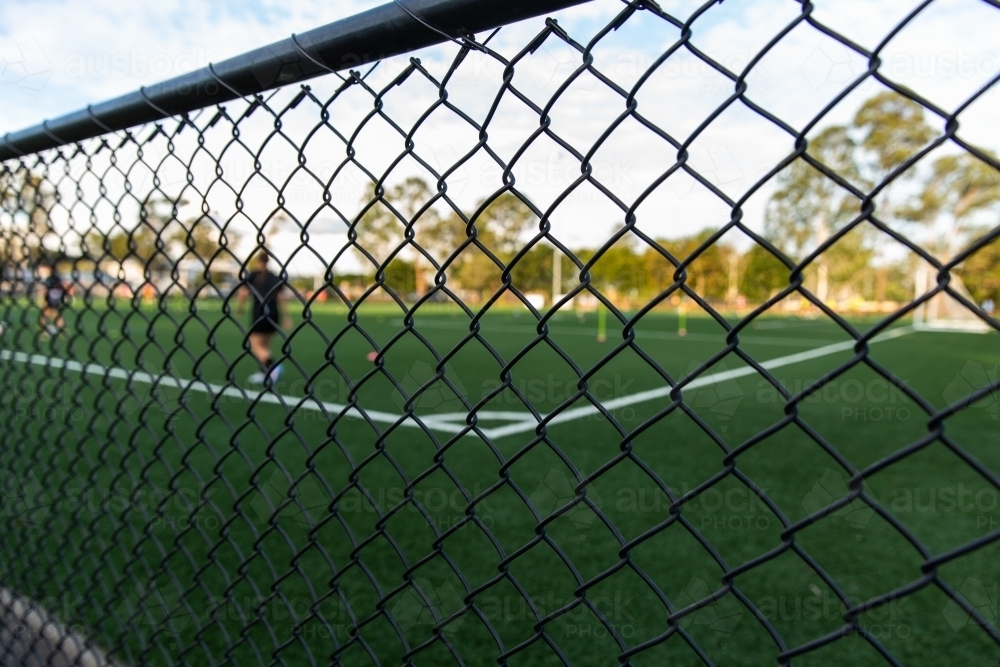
{"points": [[865, 189], [630, 275], [944, 202]]}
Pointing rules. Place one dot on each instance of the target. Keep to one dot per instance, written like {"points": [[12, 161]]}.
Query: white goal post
{"points": [[941, 312]]}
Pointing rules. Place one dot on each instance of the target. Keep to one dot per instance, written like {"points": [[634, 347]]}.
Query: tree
{"points": [[533, 272], [708, 274], [203, 236], [503, 222], [114, 245], [808, 206], [381, 228], [149, 240], [981, 273], [26, 197], [400, 276], [893, 130], [499, 228], [961, 187], [763, 274], [158, 218], [618, 272]]}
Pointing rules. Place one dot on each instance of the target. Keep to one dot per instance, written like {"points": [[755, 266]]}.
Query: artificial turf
{"points": [[180, 525]]}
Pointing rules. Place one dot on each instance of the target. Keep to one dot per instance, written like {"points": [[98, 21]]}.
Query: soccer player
{"points": [[55, 297], [268, 295]]}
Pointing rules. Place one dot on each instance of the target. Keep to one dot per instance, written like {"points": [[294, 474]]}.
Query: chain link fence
{"points": [[523, 410]]}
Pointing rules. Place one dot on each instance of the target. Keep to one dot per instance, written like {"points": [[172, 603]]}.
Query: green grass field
{"points": [[174, 523]]}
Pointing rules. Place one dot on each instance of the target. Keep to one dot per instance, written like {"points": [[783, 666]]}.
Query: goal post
{"points": [[942, 312]]}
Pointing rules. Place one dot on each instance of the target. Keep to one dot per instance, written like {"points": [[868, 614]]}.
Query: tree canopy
{"points": [[159, 237], [409, 231], [27, 199]]}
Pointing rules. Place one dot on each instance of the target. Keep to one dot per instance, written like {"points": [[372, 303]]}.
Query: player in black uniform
{"points": [[267, 291], [55, 297]]}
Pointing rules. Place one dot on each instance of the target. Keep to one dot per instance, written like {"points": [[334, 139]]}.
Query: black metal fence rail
{"points": [[370, 36], [156, 504]]}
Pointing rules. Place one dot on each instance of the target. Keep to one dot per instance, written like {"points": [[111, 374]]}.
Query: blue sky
{"points": [[43, 55], [60, 63], [44, 78], [160, 40], [59, 55]]}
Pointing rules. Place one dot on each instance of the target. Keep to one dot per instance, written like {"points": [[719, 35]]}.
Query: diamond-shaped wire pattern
{"points": [[389, 512]]}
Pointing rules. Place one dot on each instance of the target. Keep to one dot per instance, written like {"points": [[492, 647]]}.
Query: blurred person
{"points": [[267, 291], [55, 298]]}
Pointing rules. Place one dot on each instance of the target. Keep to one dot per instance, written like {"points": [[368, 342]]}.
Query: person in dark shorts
{"points": [[267, 292], [55, 297]]}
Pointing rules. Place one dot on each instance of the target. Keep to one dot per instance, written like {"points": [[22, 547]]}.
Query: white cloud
{"points": [[98, 49]]}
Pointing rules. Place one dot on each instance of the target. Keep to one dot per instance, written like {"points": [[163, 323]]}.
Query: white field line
{"points": [[445, 422], [643, 396], [216, 390]]}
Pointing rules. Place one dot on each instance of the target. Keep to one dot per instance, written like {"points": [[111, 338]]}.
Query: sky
{"points": [[89, 51]]}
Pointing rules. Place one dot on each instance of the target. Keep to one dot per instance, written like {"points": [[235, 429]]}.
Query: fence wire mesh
{"points": [[682, 452]]}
